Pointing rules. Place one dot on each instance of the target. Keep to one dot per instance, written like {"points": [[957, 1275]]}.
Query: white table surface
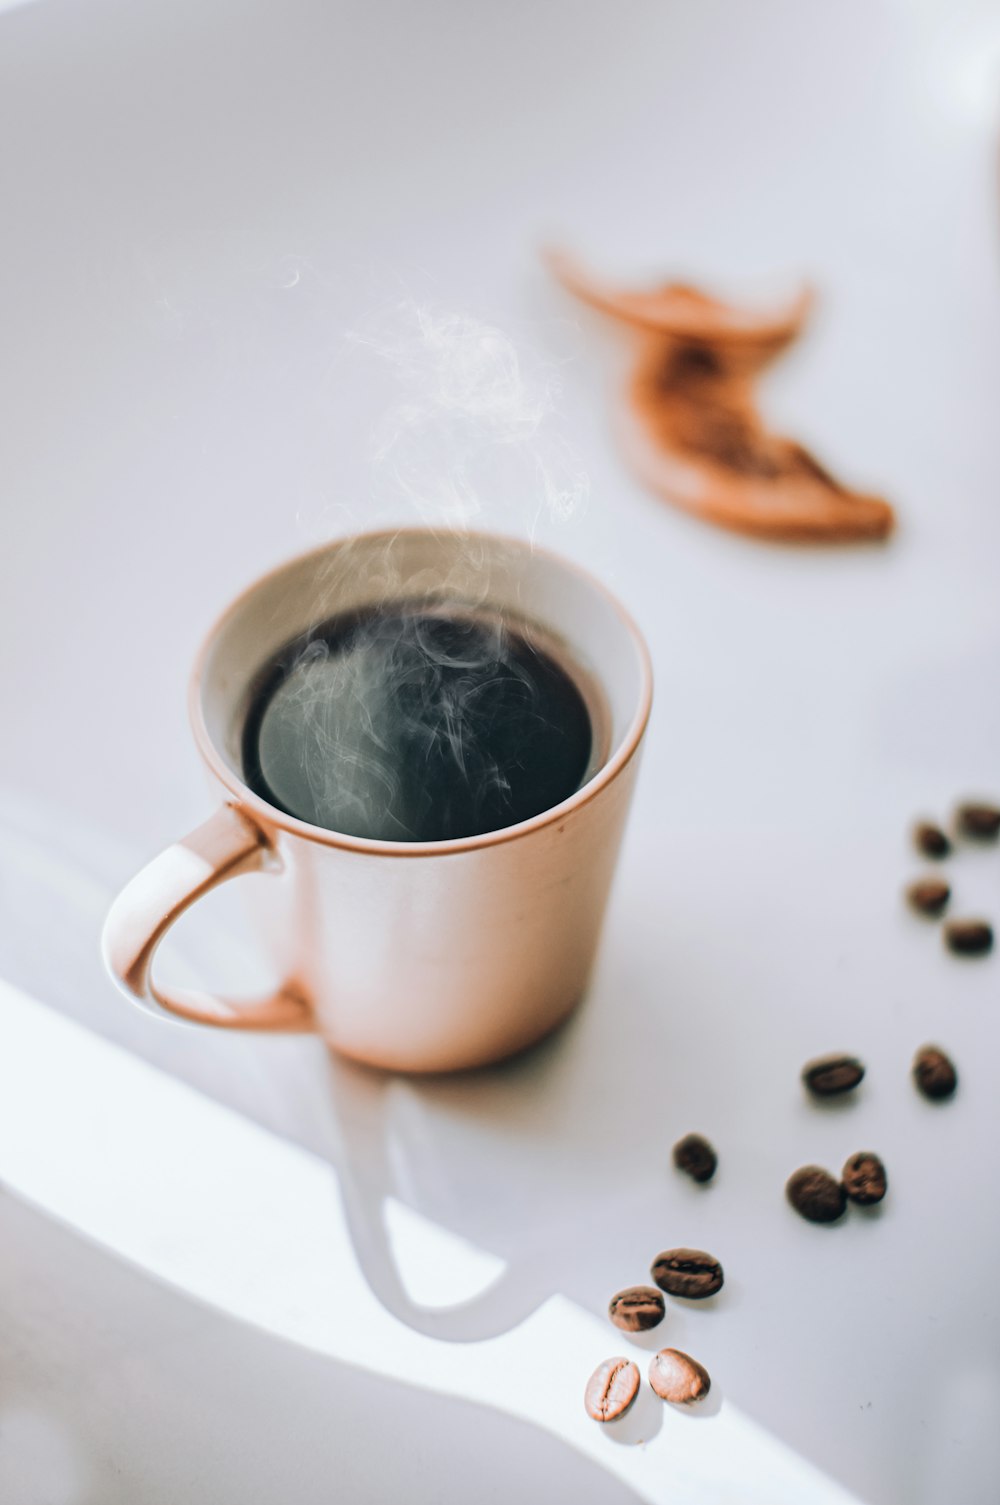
{"points": [[211, 212]]}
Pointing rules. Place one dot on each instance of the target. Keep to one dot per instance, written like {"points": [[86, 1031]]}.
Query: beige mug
{"points": [[413, 956]]}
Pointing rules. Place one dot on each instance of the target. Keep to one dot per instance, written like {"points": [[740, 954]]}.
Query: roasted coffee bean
{"points": [[695, 1156], [968, 937], [829, 1075], [864, 1179], [637, 1309], [611, 1389], [978, 820], [687, 1272], [815, 1194], [929, 895], [931, 840], [678, 1378], [934, 1073]]}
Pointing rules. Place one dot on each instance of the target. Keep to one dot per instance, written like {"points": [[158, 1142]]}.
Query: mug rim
{"points": [[270, 816]]}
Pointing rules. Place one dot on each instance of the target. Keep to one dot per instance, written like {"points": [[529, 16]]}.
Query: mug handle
{"points": [[228, 845]]}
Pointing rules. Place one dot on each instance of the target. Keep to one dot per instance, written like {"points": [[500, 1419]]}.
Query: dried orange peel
{"points": [[691, 429], [681, 311]]}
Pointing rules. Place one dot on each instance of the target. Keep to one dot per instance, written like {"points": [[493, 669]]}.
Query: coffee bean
{"points": [[815, 1194], [930, 839], [611, 1389], [934, 1073], [637, 1309], [829, 1075], [978, 820], [687, 1272], [678, 1378], [929, 895], [695, 1156], [864, 1179], [968, 937]]}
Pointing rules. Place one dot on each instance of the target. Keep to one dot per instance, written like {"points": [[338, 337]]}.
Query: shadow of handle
{"points": [[366, 1181], [501, 1307]]}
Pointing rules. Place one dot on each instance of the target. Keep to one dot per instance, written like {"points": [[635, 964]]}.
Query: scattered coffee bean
{"points": [[815, 1194], [687, 1272], [968, 937], [678, 1378], [934, 1073], [637, 1309], [829, 1075], [930, 839], [864, 1179], [611, 1389], [929, 895], [978, 820], [695, 1156]]}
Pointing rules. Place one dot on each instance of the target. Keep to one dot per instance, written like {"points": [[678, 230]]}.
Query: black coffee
{"points": [[415, 724]]}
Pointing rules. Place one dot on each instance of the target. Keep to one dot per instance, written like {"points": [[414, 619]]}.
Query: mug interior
{"points": [[568, 613]]}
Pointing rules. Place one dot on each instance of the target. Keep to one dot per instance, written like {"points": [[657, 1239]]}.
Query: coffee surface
{"points": [[415, 724]]}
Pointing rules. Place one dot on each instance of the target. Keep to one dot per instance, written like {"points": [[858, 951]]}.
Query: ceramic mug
{"points": [[413, 956]]}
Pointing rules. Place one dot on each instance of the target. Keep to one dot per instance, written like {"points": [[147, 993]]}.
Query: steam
{"points": [[426, 714], [475, 431]]}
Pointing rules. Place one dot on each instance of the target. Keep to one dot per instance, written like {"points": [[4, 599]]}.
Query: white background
{"points": [[200, 202]]}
